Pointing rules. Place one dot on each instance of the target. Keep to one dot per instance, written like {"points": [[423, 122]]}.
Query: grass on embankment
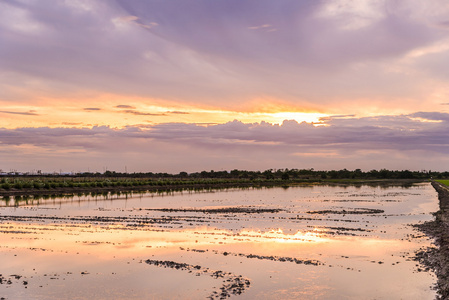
{"points": [[445, 182]]}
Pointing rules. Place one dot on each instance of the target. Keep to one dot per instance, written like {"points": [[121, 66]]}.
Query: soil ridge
{"points": [[437, 258]]}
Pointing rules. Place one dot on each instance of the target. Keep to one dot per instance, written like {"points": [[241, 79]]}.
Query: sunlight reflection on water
{"points": [[318, 242]]}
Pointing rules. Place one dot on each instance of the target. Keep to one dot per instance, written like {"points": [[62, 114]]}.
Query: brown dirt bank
{"points": [[437, 258]]}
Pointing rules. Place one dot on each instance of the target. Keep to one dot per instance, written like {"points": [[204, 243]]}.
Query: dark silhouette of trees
{"points": [[270, 174]]}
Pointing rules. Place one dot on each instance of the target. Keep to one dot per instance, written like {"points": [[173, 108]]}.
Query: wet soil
{"points": [[355, 211], [232, 284], [263, 257], [12, 279], [437, 258], [246, 210]]}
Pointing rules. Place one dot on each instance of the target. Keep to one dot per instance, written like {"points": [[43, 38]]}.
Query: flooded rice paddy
{"points": [[308, 242]]}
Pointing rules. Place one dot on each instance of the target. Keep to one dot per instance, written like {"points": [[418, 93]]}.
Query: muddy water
{"points": [[313, 242]]}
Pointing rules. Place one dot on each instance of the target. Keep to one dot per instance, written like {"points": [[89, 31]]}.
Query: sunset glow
{"points": [[238, 79]]}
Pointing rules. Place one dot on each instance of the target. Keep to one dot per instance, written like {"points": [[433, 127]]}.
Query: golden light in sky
{"points": [[210, 86], [137, 112]]}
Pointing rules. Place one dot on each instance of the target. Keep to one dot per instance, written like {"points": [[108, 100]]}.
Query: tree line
{"points": [[284, 174]]}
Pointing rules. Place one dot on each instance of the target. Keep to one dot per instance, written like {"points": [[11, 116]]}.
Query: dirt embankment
{"points": [[437, 258]]}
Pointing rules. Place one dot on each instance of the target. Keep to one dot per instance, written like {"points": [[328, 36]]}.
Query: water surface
{"points": [[308, 242]]}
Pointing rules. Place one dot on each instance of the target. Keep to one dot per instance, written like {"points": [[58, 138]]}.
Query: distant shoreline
{"points": [[179, 185]]}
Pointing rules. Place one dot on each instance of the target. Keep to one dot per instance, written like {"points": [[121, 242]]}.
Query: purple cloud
{"points": [[140, 113], [125, 106], [401, 142], [178, 112], [29, 113], [225, 52], [433, 116]]}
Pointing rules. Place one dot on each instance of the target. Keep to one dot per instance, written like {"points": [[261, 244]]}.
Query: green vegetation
{"points": [[236, 178], [445, 182], [287, 174]]}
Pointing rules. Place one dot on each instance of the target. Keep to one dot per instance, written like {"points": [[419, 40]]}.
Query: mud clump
{"points": [[232, 284], [265, 257], [225, 210], [8, 280], [355, 211]]}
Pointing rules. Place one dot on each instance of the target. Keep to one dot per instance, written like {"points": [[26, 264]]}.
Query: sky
{"points": [[192, 85]]}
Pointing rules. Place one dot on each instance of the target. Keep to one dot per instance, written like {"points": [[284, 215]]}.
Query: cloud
{"points": [[131, 110], [140, 113], [72, 123], [403, 142], [124, 106], [261, 26], [341, 57], [323, 53], [433, 116], [29, 113], [178, 112], [264, 27]]}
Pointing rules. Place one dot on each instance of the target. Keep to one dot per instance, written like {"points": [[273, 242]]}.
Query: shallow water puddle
{"points": [[314, 242]]}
